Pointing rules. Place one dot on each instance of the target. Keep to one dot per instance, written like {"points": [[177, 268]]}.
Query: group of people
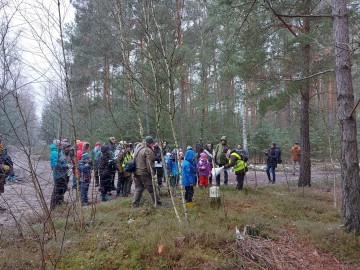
{"points": [[106, 160]]}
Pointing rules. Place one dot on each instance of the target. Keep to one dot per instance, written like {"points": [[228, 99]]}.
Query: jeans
{"points": [[84, 188], [73, 181], [272, 170], [226, 177]]}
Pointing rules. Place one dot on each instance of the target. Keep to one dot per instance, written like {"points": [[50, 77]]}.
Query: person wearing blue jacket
{"points": [[189, 176], [85, 168], [61, 165], [172, 167]]}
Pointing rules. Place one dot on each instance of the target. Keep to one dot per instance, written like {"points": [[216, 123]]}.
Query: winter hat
{"points": [[149, 139], [85, 156], [223, 138], [104, 148], [98, 144], [56, 142], [203, 155], [65, 144], [189, 147]]}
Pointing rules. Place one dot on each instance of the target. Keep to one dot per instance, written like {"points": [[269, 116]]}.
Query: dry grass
{"points": [[290, 228]]}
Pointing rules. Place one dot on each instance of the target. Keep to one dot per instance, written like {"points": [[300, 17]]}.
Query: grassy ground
{"points": [[286, 228]]}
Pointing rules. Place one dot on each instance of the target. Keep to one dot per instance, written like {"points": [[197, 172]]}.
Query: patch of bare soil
{"points": [[287, 252]]}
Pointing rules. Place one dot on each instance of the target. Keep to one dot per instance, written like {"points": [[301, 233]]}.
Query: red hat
{"points": [[98, 144]]}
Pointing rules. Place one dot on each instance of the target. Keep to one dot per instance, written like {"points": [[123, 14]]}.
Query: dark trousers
{"points": [[143, 182], [96, 176], [60, 187], [120, 184], [84, 188], [174, 180], [105, 186], [159, 176], [127, 185], [240, 179], [189, 193], [272, 170], [226, 177]]}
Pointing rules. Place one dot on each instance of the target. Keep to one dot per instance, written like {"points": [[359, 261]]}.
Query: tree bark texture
{"points": [[305, 169], [345, 97]]}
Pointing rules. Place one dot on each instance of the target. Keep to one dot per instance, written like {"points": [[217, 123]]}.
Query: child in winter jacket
{"points": [[172, 168], [85, 168], [189, 176], [204, 170]]}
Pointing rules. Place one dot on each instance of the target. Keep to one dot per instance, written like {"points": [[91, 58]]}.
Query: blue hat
{"points": [[85, 156]]}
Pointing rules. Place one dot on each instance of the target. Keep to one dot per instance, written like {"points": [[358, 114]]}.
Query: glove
{"points": [[11, 178]]}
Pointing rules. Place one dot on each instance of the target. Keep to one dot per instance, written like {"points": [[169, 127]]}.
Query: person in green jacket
{"points": [[220, 158]]}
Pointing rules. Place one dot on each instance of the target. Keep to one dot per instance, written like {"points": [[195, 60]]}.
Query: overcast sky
{"points": [[37, 22]]}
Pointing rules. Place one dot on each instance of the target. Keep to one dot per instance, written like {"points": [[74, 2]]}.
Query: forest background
{"points": [[257, 71]]}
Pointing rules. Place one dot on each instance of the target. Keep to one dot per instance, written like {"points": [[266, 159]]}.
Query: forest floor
{"points": [[290, 251]]}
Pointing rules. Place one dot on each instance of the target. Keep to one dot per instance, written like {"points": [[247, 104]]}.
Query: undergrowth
{"points": [[122, 237]]}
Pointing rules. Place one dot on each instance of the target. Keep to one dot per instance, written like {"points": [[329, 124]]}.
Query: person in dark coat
{"points": [[106, 168], [61, 165], [272, 154]]}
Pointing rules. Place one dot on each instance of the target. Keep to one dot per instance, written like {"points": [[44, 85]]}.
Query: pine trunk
{"points": [[305, 169], [345, 97]]}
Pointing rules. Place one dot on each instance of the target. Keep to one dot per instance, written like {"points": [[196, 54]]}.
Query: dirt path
{"points": [[23, 205]]}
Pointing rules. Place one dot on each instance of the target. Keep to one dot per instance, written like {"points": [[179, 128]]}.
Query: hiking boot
{"points": [[105, 198]]}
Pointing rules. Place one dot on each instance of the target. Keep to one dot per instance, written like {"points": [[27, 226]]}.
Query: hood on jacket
{"points": [[53, 147], [80, 145], [84, 145], [189, 155]]}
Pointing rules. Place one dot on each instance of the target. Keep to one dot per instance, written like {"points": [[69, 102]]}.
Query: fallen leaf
{"points": [[315, 253], [160, 249]]}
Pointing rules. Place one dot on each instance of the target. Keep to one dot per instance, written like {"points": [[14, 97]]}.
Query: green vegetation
{"points": [[122, 237]]}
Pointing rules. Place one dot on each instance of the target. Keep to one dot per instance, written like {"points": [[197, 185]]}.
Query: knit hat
{"points": [[85, 156], [98, 144], [223, 138], [104, 148], [65, 144], [203, 155], [149, 139]]}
